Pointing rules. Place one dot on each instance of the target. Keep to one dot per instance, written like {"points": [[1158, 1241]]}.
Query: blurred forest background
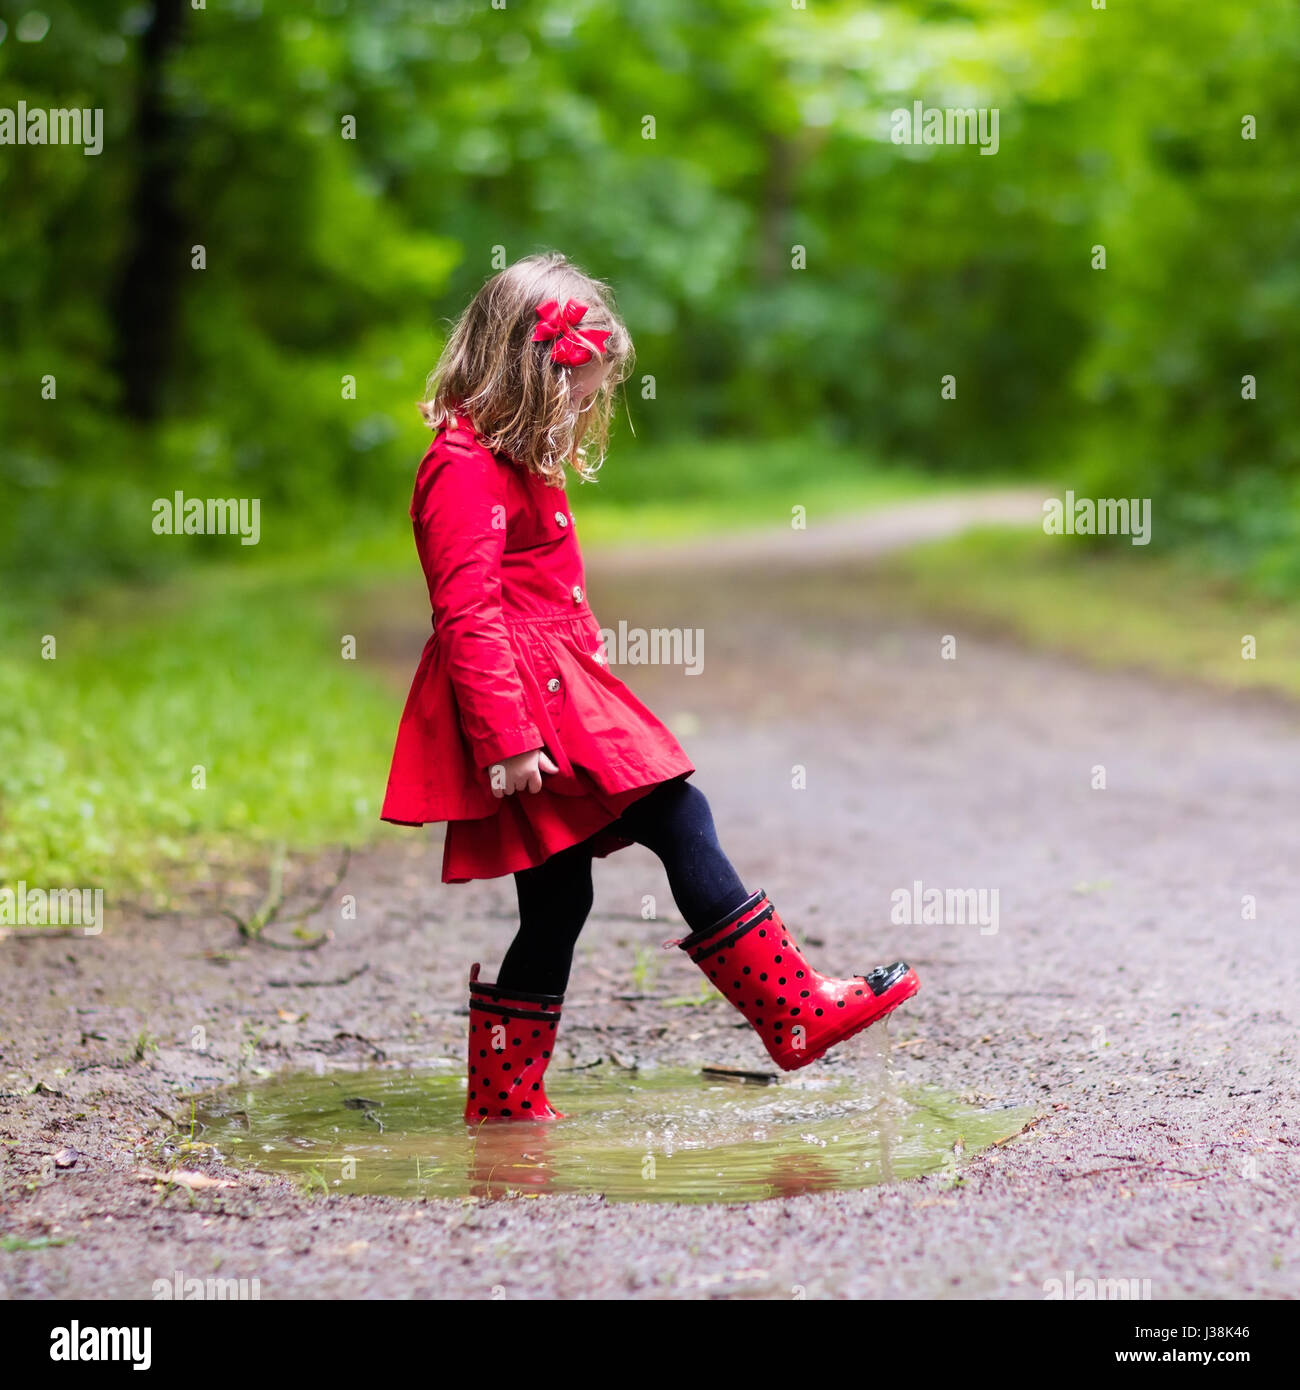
{"points": [[524, 127]]}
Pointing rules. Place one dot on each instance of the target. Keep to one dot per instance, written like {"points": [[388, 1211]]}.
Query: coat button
{"points": [[561, 519], [577, 594], [552, 685]]}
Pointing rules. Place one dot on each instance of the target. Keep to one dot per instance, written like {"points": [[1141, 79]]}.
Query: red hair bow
{"points": [[570, 347]]}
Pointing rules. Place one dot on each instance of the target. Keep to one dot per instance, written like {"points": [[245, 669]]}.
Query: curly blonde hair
{"points": [[507, 385]]}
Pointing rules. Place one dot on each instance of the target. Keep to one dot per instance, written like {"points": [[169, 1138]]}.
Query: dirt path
{"points": [[865, 535], [1123, 995]]}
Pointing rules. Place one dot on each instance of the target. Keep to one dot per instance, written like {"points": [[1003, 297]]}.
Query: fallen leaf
{"points": [[182, 1178]]}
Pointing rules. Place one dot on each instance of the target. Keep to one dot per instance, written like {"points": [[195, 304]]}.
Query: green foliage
{"points": [[1202, 287], [480, 128]]}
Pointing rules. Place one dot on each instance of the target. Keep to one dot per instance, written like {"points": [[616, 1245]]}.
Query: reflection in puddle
{"points": [[662, 1135]]}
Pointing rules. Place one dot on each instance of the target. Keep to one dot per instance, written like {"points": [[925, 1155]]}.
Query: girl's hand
{"points": [[520, 773]]}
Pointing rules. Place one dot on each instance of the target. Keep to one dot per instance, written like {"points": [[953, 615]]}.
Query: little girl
{"points": [[517, 734]]}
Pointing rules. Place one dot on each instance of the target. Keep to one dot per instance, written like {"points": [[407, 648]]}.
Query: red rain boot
{"points": [[511, 1037], [753, 959]]}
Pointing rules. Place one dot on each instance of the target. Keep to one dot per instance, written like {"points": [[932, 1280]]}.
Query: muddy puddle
{"points": [[662, 1135]]}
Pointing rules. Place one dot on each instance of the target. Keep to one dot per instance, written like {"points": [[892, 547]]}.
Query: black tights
{"points": [[674, 821]]}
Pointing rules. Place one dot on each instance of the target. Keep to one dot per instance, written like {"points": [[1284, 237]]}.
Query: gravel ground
{"points": [[1125, 994]]}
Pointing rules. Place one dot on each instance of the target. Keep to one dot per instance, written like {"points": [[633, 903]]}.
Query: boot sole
{"points": [[888, 1002]]}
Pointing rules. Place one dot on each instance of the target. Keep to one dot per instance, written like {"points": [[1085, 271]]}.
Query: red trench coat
{"points": [[515, 662]]}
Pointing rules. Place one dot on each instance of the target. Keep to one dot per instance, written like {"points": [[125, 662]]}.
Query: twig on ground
{"points": [[1137, 1168], [253, 928], [997, 1143], [320, 984]]}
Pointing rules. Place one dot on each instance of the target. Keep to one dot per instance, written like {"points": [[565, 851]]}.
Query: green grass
{"points": [[1116, 606], [238, 674], [11, 1244]]}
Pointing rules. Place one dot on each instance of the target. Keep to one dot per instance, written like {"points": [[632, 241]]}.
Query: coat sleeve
{"points": [[459, 514]]}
